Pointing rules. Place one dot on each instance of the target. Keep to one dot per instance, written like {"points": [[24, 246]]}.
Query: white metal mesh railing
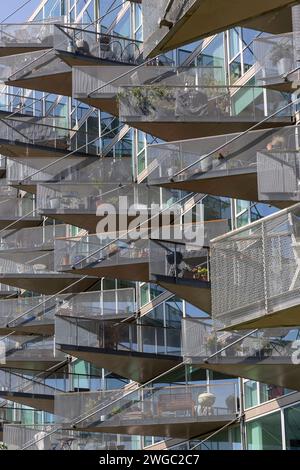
{"points": [[255, 270], [188, 158]]}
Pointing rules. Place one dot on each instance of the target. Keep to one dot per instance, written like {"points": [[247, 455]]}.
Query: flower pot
{"points": [[284, 65], [54, 203], [206, 164]]}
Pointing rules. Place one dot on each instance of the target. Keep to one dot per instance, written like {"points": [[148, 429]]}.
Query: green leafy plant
{"points": [[201, 273]]}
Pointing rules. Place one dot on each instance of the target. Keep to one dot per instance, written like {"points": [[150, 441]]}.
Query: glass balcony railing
{"points": [[19, 349], [118, 337], [8, 291], [278, 175], [48, 132], [71, 169], [200, 341], [255, 272], [14, 208], [188, 103], [27, 311], [178, 261], [68, 407], [277, 59], [83, 41], [38, 238], [35, 262], [105, 304], [49, 437], [20, 103], [31, 65], [28, 36], [198, 158], [162, 256], [95, 81], [18, 383], [91, 197], [164, 406], [100, 254]]}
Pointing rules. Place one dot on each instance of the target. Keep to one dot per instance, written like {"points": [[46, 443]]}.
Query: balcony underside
{"points": [[197, 293], [275, 371], [79, 60], [19, 224], [205, 18], [47, 284], [127, 272], [109, 105], [34, 364], [171, 131], [238, 186], [282, 86], [171, 426], [56, 83], [34, 400], [6, 51], [287, 316], [26, 150], [30, 328], [83, 218], [139, 367]]}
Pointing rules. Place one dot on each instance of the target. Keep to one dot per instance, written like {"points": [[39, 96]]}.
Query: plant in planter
{"points": [[162, 101], [211, 342], [3, 446], [281, 56], [136, 100], [200, 273]]}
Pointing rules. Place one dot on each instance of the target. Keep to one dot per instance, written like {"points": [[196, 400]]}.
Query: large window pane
{"points": [[292, 427], [265, 433]]}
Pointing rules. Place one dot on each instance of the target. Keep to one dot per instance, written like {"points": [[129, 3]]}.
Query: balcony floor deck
{"points": [[271, 370], [132, 271], [46, 329], [56, 83], [241, 185], [34, 400], [197, 293], [139, 367], [171, 426], [183, 130], [47, 284], [203, 19]]}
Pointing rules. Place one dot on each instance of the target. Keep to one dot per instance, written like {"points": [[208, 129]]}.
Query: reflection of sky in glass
{"points": [[22, 15]]}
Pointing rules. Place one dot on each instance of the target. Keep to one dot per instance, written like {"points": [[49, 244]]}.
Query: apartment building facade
{"points": [[162, 344]]}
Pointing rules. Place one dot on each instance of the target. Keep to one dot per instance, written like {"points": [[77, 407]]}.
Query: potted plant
{"points": [[281, 56], [54, 202], [136, 101], [162, 101], [206, 163], [201, 273], [211, 342]]}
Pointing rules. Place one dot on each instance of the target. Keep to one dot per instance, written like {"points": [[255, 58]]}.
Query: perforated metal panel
{"points": [[255, 270]]}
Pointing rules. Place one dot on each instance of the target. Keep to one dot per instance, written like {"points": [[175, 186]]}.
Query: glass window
{"points": [[269, 392], [235, 69], [242, 220], [234, 42], [251, 395], [265, 433], [214, 53], [241, 205], [292, 427]]}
